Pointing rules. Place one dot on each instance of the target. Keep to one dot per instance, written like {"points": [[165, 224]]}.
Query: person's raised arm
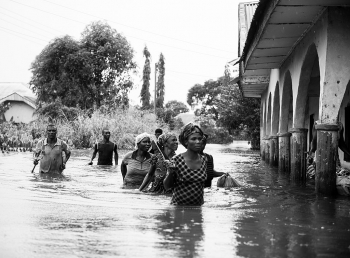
{"points": [[148, 177], [217, 173], [115, 155], [37, 152], [93, 154], [123, 169], [66, 151], [170, 178]]}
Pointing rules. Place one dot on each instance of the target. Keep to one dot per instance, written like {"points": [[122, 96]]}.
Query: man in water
{"points": [[105, 150], [51, 151], [154, 148]]}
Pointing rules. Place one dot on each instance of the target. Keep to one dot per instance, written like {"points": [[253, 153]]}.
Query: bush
{"points": [[86, 128]]}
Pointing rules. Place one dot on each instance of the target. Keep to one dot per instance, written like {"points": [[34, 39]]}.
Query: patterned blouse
{"points": [[157, 185], [189, 184]]}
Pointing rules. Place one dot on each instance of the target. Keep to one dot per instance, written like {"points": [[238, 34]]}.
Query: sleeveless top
{"points": [[136, 170], [210, 170], [189, 184], [105, 153]]}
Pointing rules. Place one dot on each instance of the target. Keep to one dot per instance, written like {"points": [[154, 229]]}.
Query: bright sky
{"points": [[196, 37]]}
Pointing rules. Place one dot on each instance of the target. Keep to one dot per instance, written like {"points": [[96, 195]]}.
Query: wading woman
{"points": [[136, 164], [187, 171], [167, 144]]}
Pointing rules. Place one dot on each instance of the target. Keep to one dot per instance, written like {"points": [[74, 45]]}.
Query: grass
{"points": [[86, 129]]}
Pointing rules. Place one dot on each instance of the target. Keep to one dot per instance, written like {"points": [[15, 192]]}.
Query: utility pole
{"points": [[155, 87]]}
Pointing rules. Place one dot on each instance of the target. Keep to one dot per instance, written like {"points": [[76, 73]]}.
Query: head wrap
{"points": [[187, 130], [140, 137], [164, 137], [158, 131]]}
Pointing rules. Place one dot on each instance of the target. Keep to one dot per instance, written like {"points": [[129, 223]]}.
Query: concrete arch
{"points": [[262, 119], [301, 104], [268, 118], [286, 107], [276, 110]]}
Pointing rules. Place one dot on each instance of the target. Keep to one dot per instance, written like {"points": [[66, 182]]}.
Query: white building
{"points": [[21, 99]]}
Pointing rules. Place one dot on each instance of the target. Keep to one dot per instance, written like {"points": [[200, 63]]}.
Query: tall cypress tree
{"points": [[145, 95], [160, 82]]}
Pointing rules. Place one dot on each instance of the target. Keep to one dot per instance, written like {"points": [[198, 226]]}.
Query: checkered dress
{"points": [[189, 184]]}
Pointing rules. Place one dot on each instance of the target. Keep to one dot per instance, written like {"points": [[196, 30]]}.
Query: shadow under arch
{"points": [[286, 114], [301, 105], [276, 110], [285, 123], [268, 119]]}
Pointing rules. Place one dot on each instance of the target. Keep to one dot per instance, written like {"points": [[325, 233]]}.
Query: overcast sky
{"points": [[196, 37]]}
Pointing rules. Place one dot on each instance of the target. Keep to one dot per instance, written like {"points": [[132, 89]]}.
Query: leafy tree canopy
{"points": [[160, 91], [93, 71], [145, 94], [205, 96], [177, 107], [223, 103]]}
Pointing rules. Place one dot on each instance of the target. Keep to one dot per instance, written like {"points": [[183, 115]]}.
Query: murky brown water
{"points": [[87, 214]]}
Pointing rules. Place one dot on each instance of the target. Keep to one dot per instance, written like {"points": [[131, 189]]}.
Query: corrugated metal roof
{"points": [[8, 88], [16, 97], [249, 11], [245, 16]]}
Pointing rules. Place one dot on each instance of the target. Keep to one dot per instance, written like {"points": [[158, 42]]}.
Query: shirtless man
{"points": [[50, 152], [105, 150]]}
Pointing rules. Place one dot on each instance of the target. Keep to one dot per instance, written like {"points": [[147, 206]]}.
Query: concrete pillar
{"points": [[326, 158], [274, 151], [263, 148], [284, 152], [267, 150], [298, 148]]}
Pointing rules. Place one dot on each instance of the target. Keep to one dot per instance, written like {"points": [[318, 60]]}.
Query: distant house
{"points": [[21, 99]]}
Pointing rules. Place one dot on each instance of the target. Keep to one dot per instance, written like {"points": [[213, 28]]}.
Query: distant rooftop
{"points": [[8, 88], [245, 16]]}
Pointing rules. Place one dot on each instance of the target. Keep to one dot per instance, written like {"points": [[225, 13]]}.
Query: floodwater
{"points": [[86, 213]]}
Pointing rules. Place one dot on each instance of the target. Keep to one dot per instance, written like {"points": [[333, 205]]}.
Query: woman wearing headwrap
{"points": [[136, 164], [187, 171], [167, 144]]}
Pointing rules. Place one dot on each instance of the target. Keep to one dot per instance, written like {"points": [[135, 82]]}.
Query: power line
{"points": [[7, 10], [139, 28], [128, 36], [23, 28], [14, 33]]}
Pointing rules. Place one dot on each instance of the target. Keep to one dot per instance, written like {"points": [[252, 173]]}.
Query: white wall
{"points": [[21, 112]]}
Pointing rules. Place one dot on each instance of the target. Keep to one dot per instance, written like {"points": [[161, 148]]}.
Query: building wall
{"points": [[21, 112], [345, 103], [328, 41]]}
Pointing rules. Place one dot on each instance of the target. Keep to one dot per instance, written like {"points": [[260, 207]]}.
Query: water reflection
{"points": [[182, 230], [86, 213]]}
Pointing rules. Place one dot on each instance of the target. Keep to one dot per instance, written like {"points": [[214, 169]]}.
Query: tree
{"points": [[177, 107], [95, 70], [239, 114], [160, 82], [205, 95], [145, 94], [52, 72], [3, 108]]}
